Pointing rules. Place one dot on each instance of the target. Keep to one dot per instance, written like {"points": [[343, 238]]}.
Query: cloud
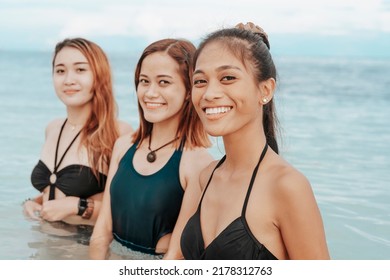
{"points": [[193, 19], [85, 25], [49, 21]]}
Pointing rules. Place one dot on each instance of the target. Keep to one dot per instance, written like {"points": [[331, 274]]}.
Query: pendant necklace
{"points": [[151, 156], [73, 126]]}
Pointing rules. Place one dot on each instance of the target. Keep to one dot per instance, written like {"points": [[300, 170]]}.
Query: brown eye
{"points": [[164, 82], [199, 81], [228, 78]]}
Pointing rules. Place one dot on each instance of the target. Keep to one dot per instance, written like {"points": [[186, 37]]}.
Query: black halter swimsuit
{"points": [[235, 242], [73, 180]]}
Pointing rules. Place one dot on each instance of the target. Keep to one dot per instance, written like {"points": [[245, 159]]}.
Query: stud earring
{"points": [[265, 100]]}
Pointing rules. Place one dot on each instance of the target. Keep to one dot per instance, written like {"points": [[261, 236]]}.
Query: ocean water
{"points": [[335, 128]]}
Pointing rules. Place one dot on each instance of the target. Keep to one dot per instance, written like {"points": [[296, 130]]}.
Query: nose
{"points": [[69, 78], [151, 91], [212, 91]]}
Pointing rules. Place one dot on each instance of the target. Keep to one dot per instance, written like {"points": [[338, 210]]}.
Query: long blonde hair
{"points": [[100, 131]]}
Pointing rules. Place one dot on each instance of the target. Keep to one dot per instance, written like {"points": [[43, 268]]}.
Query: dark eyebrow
{"points": [[158, 76], [220, 68], [164, 76], [198, 72], [224, 67]]}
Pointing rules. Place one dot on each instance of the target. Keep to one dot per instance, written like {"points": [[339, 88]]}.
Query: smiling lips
{"points": [[213, 111], [70, 91], [153, 105]]}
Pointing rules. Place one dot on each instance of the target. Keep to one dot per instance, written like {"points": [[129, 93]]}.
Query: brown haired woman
{"points": [[255, 205], [153, 182], [71, 172]]}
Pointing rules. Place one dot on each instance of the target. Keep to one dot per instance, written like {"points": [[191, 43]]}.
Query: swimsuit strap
{"points": [[52, 186], [250, 184], [67, 149], [253, 180], [211, 176]]}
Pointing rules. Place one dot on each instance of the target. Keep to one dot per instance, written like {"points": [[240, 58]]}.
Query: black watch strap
{"points": [[83, 204]]}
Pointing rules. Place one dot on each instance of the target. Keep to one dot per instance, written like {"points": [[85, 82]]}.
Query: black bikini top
{"points": [[235, 242], [73, 180]]}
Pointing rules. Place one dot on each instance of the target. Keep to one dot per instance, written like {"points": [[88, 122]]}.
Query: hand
{"points": [[59, 209], [32, 209]]}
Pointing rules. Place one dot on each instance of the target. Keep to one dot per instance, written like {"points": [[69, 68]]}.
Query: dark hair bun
{"points": [[250, 26]]}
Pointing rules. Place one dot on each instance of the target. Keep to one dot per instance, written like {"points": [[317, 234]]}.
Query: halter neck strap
{"points": [[56, 165]]}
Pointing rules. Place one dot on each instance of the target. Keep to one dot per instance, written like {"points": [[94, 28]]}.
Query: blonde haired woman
{"points": [[71, 172]]}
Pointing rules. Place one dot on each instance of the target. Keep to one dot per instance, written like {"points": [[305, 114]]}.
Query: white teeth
{"points": [[217, 110], [153, 105]]}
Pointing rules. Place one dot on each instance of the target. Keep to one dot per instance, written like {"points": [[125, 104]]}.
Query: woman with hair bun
{"points": [[254, 205]]}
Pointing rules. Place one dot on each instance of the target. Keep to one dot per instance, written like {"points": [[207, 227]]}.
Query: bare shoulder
{"points": [[296, 213], [122, 144], [292, 191], [124, 141], [206, 173], [124, 128], [290, 182], [194, 160], [54, 125], [197, 156]]}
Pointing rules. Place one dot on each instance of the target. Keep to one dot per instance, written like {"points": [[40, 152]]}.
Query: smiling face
{"points": [[72, 77], [161, 90], [225, 93]]}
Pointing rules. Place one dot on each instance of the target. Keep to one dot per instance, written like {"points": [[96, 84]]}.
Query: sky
{"points": [[301, 27]]}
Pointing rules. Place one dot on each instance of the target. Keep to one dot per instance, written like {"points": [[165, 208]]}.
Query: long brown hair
{"points": [[190, 128], [252, 47], [100, 131]]}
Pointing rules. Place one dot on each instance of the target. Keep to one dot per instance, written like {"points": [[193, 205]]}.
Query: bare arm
{"points": [[66, 208], [300, 219], [193, 162], [102, 233], [73, 218], [34, 205]]}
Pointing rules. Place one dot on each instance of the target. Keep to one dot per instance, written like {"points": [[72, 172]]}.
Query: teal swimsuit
{"points": [[145, 207]]}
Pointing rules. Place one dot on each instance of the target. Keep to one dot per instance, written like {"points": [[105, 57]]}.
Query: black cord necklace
{"points": [[151, 156]]}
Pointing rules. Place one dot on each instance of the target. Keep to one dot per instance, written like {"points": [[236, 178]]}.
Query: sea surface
{"points": [[335, 128]]}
